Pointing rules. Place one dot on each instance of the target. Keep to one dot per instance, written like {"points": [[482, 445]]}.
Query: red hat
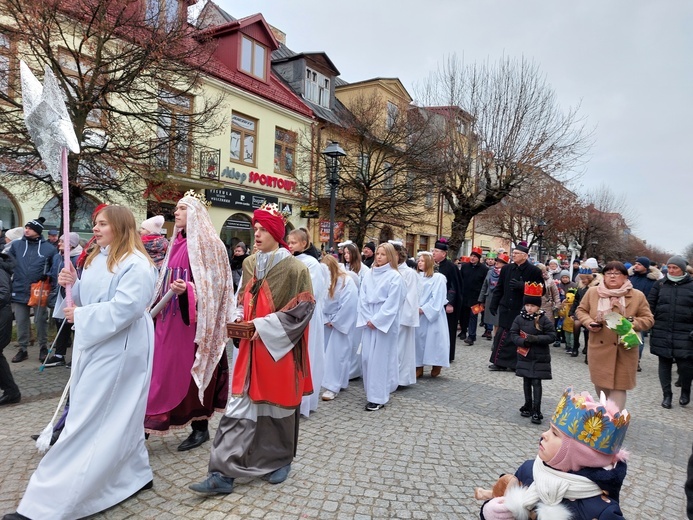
{"points": [[503, 258], [478, 251], [269, 216], [533, 293]]}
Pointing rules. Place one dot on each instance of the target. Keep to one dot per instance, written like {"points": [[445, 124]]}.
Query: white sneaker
{"points": [[328, 395]]}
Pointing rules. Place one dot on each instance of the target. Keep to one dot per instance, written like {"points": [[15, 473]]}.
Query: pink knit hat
{"points": [[154, 224]]}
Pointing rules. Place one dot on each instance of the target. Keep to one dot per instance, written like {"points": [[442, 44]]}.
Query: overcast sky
{"points": [[627, 62]]}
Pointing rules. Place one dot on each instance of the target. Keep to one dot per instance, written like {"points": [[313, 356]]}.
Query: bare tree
{"points": [[386, 174], [511, 127], [131, 74]]}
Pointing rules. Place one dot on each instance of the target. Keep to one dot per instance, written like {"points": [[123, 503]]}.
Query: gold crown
{"points": [[199, 197], [273, 209]]}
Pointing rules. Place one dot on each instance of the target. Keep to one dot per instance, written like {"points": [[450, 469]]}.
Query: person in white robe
{"points": [[339, 315], [353, 264], [299, 242], [100, 458], [409, 320], [380, 302], [432, 337]]}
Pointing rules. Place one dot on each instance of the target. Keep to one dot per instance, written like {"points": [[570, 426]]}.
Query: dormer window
{"points": [[317, 88], [253, 57]]}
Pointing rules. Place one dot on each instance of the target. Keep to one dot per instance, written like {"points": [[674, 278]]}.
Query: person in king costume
{"points": [[191, 374], [100, 458], [258, 434]]}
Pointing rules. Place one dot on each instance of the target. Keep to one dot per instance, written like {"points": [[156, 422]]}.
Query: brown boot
{"points": [[419, 372], [435, 371]]}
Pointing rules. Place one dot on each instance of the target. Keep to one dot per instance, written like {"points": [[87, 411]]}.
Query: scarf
{"points": [[673, 278], [550, 487], [608, 298], [493, 278], [213, 280], [532, 316]]}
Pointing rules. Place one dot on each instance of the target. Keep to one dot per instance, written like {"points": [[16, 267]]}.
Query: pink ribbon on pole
{"points": [[66, 221]]}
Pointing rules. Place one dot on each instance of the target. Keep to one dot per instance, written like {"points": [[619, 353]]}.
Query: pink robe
{"points": [[173, 401]]}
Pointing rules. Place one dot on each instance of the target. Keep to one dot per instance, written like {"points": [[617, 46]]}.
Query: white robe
{"points": [[432, 337], [356, 369], [100, 458], [380, 302], [408, 323], [316, 333], [340, 311]]}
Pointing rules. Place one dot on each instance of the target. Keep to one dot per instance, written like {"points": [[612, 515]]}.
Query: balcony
{"points": [[189, 165]]}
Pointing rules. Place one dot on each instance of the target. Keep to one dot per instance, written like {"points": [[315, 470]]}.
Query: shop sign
{"points": [[237, 199], [325, 231], [310, 212], [268, 181]]}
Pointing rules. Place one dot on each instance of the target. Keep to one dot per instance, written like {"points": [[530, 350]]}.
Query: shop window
{"points": [[53, 211], [9, 213], [411, 240], [243, 139], [423, 243], [237, 228], [284, 151]]}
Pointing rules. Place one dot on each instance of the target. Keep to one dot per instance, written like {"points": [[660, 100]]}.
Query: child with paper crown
{"points": [[533, 332], [579, 469]]}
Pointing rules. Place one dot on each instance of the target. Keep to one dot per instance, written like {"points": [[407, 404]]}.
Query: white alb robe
{"points": [[100, 458], [408, 323], [380, 302], [432, 337], [316, 333], [356, 369], [340, 311]]}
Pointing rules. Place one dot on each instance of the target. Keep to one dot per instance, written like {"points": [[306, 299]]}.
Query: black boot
{"points": [[536, 401], [685, 396], [666, 402], [526, 409]]}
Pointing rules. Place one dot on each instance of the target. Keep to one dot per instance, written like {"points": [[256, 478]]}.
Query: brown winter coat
{"points": [[611, 366]]}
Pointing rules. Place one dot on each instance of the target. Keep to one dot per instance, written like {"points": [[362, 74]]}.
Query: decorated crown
{"points": [[273, 210], [585, 270], [477, 251], [595, 424], [492, 255], [534, 289], [199, 197]]}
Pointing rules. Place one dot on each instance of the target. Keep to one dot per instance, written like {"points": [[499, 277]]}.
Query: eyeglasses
{"points": [[613, 273]]}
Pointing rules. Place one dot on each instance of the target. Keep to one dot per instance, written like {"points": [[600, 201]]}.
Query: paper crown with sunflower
{"points": [[597, 425], [273, 209]]}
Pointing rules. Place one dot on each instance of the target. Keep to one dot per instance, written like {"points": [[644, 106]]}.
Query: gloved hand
{"points": [[495, 509], [530, 338], [516, 284]]}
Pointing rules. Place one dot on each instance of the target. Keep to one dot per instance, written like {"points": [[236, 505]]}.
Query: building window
{"points": [[253, 57], [411, 240], [174, 132], [423, 243], [411, 178], [317, 88], [9, 213], [243, 138], [363, 165], [163, 13], [74, 71], [284, 150], [389, 176], [7, 58], [84, 208], [392, 113]]}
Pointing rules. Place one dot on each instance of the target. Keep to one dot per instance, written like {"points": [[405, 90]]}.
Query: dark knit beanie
{"points": [[369, 245], [36, 225], [644, 261]]}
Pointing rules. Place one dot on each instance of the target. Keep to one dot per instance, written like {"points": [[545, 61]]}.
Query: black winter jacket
{"points": [[672, 306], [6, 268], [473, 276], [509, 293], [537, 363]]}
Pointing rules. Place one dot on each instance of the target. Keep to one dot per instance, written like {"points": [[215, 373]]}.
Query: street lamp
{"points": [[541, 227], [332, 154]]}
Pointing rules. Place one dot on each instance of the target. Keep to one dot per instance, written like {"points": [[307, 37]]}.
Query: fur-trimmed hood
{"points": [[595, 281], [652, 273]]}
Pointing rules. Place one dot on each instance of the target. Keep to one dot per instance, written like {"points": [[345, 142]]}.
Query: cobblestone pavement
{"points": [[419, 457]]}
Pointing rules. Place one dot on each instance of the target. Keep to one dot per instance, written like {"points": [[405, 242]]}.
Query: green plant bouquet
{"points": [[627, 337]]}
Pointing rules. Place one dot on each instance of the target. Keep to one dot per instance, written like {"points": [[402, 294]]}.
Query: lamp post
{"points": [[541, 227], [332, 154]]}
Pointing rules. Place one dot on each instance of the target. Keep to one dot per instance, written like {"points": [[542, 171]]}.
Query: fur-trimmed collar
{"points": [[595, 281], [652, 273]]}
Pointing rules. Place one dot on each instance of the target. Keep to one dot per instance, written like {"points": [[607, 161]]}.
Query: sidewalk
{"points": [[420, 457]]}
